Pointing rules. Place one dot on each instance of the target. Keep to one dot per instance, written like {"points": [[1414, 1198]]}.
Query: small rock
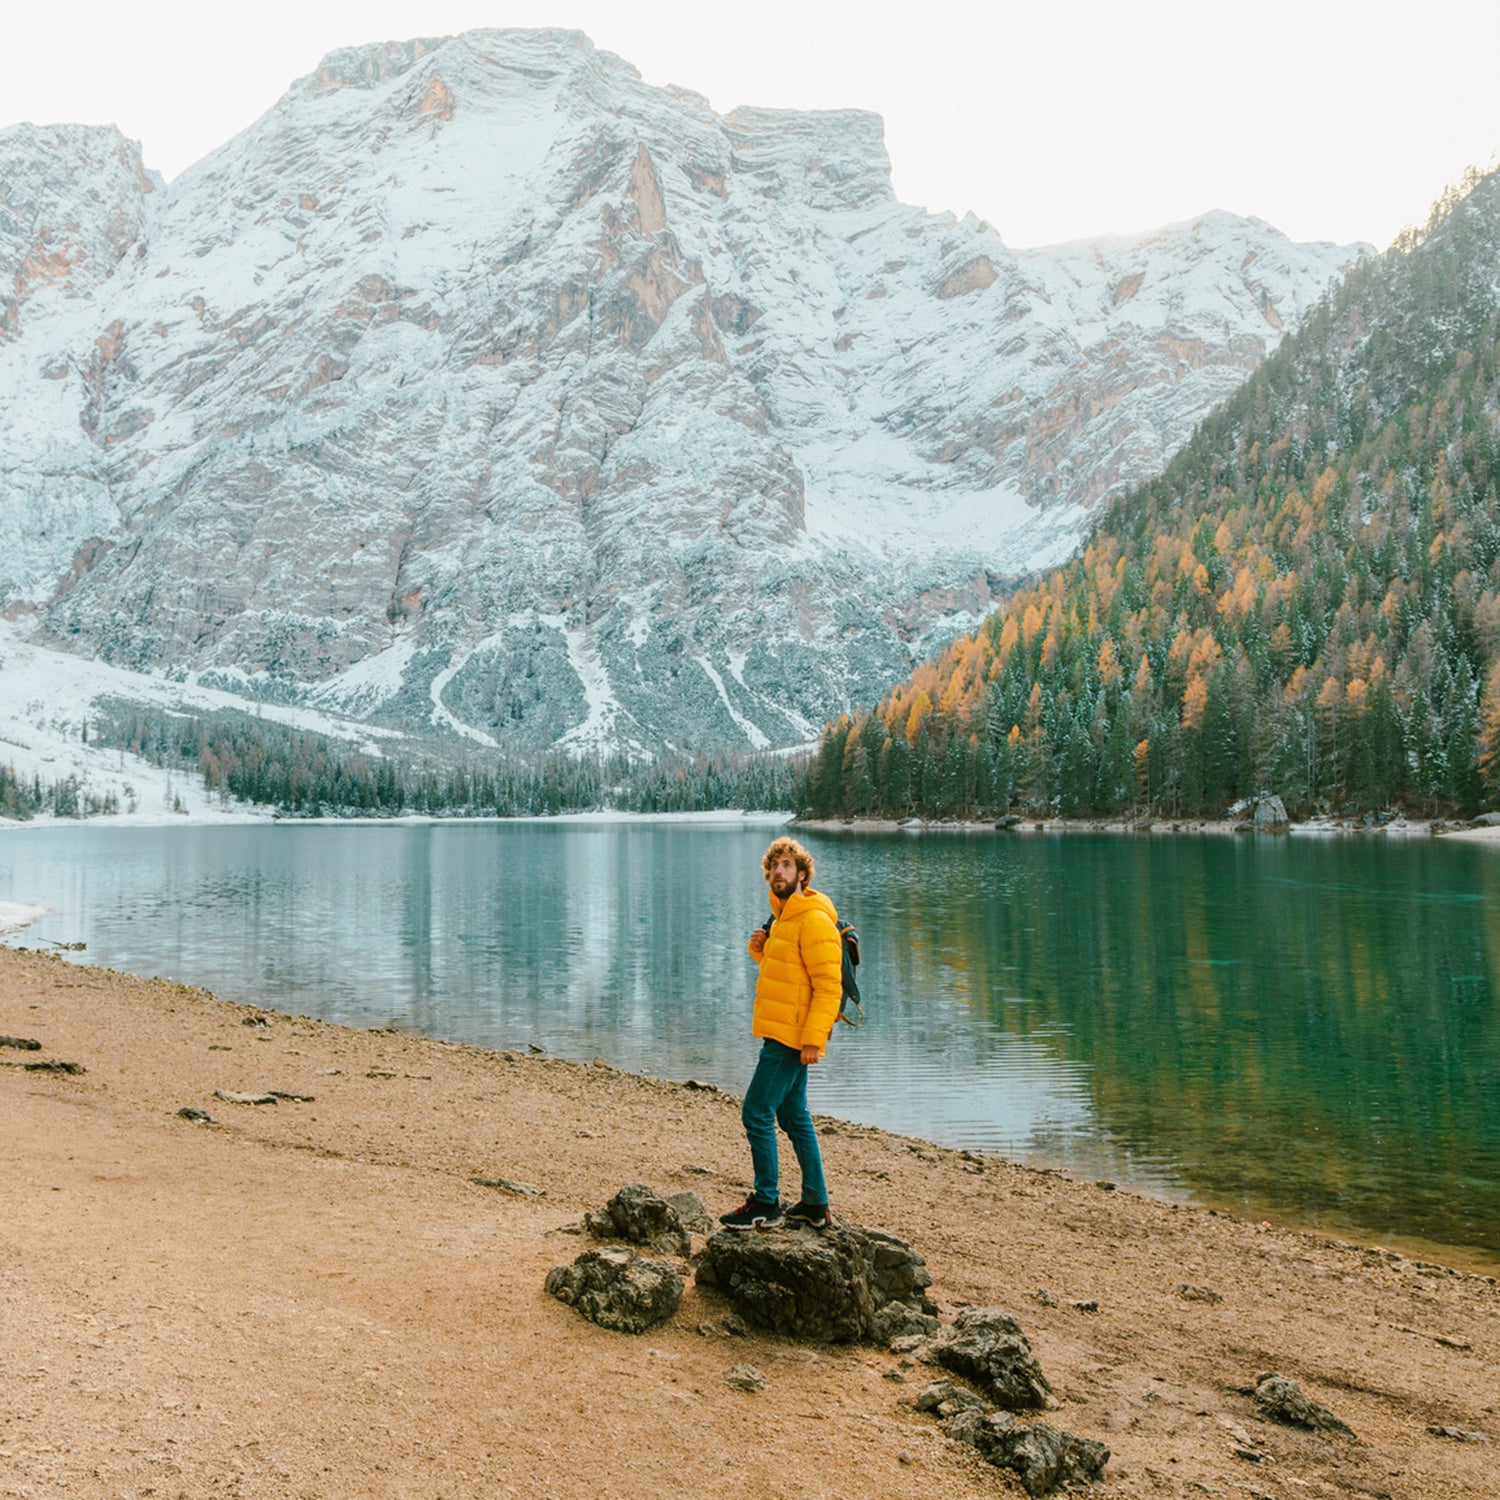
{"points": [[1190, 1293], [736, 1327], [696, 1170], [904, 1457], [197, 1116], [618, 1289], [986, 1345], [1089, 1305], [689, 1209], [898, 1321], [230, 1097], [947, 1399], [1283, 1401], [1043, 1457], [638, 1214], [255, 1021], [1042, 1295], [746, 1378], [293, 1098], [698, 1083], [506, 1185], [20, 1043], [1105, 1185], [600, 1062], [54, 1066], [1458, 1434]]}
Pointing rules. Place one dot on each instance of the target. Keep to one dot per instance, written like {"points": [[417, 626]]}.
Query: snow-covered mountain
{"points": [[481, 386]]}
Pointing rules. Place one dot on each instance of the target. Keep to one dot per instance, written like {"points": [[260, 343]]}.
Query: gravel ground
{"points": [[313, 1298]]}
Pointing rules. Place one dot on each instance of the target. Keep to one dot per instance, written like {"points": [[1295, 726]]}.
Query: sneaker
{"points": [[815, 1214], [751, 1214]]}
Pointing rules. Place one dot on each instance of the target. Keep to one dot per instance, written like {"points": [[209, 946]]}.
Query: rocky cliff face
{"points": [[480, 386]]}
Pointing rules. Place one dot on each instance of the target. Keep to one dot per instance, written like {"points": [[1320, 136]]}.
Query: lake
{"points": [[1300, 1028]]}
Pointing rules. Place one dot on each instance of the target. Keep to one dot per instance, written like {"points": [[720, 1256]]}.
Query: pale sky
{"points": [[1052, 120]]}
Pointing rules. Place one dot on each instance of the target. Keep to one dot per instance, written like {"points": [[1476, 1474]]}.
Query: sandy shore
{"points": [[314, 1299]]}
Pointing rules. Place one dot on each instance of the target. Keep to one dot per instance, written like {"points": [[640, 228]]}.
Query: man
{"points": [[797, 999]]}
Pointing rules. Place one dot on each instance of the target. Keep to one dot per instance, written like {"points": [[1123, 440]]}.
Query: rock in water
{"points": [[828, 1287], [619, 1289], [987, 1346]]}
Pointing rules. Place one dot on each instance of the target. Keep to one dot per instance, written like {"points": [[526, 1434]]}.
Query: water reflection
{"points": [[1295, 1027]]}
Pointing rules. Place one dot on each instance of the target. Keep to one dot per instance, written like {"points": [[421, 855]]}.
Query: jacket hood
{"points": [[800, 901]]}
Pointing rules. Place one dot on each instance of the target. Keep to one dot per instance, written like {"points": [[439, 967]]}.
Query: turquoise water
{"points": [[1301, 1029]]}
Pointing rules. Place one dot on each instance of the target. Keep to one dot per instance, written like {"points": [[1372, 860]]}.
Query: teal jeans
{"points": [[778, 1096]]}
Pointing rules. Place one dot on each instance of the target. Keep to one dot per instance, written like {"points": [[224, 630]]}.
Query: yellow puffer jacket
{"points": [[800, 988]]}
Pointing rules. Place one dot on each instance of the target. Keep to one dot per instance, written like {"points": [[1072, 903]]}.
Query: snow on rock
{"points": [[479, 387]]}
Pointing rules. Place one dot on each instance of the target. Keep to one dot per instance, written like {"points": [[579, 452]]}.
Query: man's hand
{"points": [[757, 941], [809, 1056]]}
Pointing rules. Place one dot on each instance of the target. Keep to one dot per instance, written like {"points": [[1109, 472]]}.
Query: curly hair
{"points": [[800, 856]]}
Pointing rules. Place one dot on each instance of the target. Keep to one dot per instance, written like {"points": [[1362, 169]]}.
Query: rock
{"points": [[690, 1210], [1042, 1456], [947, 1399], [197, 1116], [293, 1098], [1190, 1293], [1458, 1434], [1088, 1305], [506, 1185], [618, 1289], [746, 1378], [1283, 1401], [54, 1066], [698, 1083], [827, 1287], [639, 1215], [20, 1043], [1486, 820], [1043, 1296], [1009, 821], [230, 1097], [1270, 814], [898, 1321], [696, 1170], [986, 1345]]}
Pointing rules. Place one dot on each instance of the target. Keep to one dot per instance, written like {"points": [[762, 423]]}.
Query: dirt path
{"points": [[313, 1299]]}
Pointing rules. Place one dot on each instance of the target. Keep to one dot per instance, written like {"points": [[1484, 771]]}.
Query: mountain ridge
{"points": [[479, 387]]}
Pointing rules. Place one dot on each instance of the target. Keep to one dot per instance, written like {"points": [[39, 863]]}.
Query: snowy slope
{"points": [[481, 388]]}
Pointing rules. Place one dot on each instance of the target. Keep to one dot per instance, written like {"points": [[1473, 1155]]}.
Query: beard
{"points": [[781, 889]]}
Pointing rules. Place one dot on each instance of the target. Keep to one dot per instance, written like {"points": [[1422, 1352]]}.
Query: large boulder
{"points": [[986, 1345], [840, 1285], [1270, 814], [618, 1288]]}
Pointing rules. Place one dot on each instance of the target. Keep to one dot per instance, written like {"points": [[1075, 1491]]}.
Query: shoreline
{"points": [[315, 1298], [1161, 827]]}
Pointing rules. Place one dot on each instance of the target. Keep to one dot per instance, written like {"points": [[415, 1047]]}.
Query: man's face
{"points": [[783, 877]]}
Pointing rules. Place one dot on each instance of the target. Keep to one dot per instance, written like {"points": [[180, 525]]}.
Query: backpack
{"points": [[849, 991]]}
